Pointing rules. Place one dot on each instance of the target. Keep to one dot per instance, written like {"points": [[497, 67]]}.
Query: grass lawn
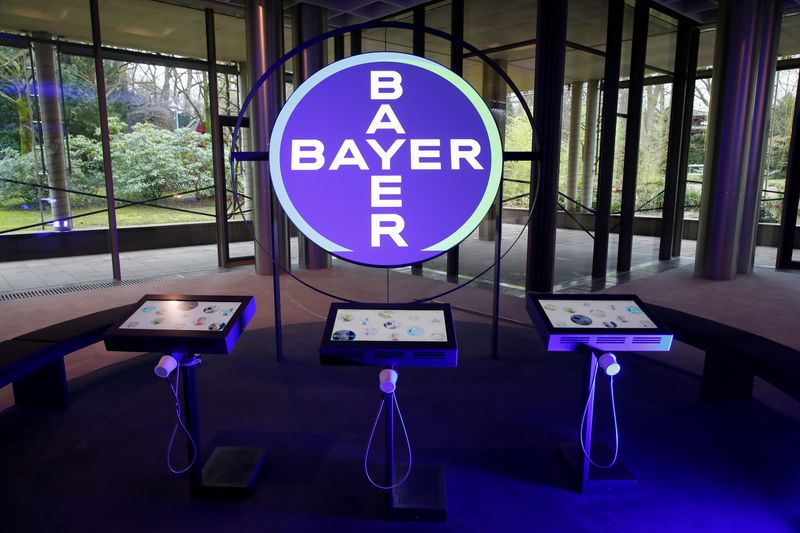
{"points": [[126, 216]]}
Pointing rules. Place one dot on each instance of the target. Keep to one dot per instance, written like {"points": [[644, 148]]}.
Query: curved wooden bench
{"points": [[34, 362], [734, 356]]}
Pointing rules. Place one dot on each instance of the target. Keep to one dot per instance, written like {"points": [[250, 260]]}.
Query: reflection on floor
{"points": [[572, 271]]}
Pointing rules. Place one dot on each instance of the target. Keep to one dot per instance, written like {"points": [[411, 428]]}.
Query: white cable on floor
{"points": [[175, 429], [369, 445], [614, 413]]}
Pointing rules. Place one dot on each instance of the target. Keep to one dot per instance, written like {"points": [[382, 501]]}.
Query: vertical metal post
{"points": [[217, 150], [728, 139], [688, 113], [191, 419], [498, 244], [584, 464], [677, 129], [338, 47], [388, 398], [767, 50], [551, 36], [605, 172], [355, 43], [791, 194], [418, 49], [457, 66], [641, 19], [308, 21], [105, 139], [494, 94]]}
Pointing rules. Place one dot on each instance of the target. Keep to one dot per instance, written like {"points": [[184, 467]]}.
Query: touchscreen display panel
{"points": [[611, 314], [409, 325], [190, 315]]}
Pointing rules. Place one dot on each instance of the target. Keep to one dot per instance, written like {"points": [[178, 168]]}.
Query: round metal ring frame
{"points": [[528, 156]]}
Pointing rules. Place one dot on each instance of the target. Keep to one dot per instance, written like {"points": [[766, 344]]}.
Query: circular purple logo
{"points": [[385, 159]]}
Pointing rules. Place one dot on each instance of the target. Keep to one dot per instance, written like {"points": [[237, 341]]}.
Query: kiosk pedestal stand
{"points": [[179, 326], [591, 478], [423, 495], [231, 471], [391, 336], [594, 326]]}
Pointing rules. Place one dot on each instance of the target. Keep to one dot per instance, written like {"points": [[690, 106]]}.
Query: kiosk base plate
{"points": [[600, 479], [421, 497], [231, 472]]}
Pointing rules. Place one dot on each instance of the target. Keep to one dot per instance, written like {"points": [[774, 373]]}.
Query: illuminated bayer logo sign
{"points": [[385, 159]]}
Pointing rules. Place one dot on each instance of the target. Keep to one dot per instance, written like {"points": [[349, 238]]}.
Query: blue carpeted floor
{"points": [[99, 465]]}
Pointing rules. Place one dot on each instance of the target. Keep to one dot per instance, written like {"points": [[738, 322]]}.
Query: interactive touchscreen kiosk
{"points": [[389, 335], [599, 327], [182, 327], [605, 322], [181, 323]]}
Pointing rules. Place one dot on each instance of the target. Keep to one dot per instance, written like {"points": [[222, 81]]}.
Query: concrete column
{"points": [[309, 21], [589, 144], [767, 52], [246, 143], [264, 37], [52, 131], [735, 82], [574, 144], [494, 93]]}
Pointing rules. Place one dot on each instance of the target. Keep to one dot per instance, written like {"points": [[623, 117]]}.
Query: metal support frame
{"points": [[105, 140], [791, 195], [457, 66], [551, 37], [688, 112], [418, 49], [217, 149], [608, 131], [678, 128], [641, 20]]}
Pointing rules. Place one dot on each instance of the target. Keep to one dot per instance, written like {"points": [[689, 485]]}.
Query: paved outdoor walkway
{"points": [[573, 260]]}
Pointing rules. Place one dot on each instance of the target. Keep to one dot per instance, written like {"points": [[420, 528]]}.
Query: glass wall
{"points": [[51, 160]]}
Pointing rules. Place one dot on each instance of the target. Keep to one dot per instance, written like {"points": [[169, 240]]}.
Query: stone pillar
{"points": [[309, 21], [736, 81], [574, 144], [767, 51], [589, 144], [494, 93], [264, 37], [52, 131]]}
